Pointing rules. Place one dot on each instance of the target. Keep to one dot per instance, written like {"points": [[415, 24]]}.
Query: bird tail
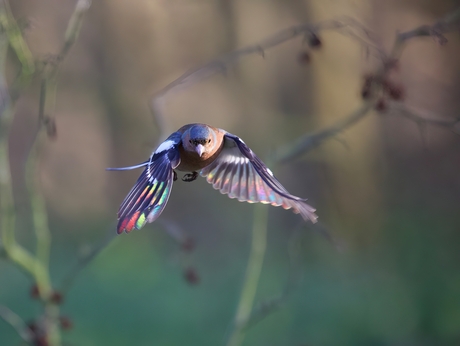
{"points": [[128, 167]]}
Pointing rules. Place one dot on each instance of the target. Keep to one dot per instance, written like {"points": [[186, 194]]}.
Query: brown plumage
{"points": [[190, 159]]}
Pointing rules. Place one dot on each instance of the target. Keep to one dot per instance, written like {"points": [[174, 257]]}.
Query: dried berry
{"points": [[188, 245], [314, 41], [56, 297], [65, 322], [32, 327], [393, 90], [369, 79], [34, 292], [41, 341], [51, 129], [391, 64], [366, 92], [396, 92], [381, 106], [304, 58], [191, 276]]}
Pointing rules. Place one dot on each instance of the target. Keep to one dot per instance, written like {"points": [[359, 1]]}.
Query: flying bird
{"points": [[222, 158]]}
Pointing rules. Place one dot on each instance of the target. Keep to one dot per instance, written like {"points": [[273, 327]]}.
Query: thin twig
{"points": [[49, 78], [4, 93], [253, 271], [17, 323], [269, 306], [83, 261], [310, 141], [14, 252], [20, 49], [449, 23], [17, 41], [410, 113]]}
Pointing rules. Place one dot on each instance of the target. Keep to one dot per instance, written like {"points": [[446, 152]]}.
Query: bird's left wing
{"points": [[147, 199], [238, 172]]}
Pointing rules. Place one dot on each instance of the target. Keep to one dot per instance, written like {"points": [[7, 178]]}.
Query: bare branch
{"points": [[175, 231], [311, 141], [251, 280], [347, 27], [4, 93], [49, 79], [269, 306], [17, 323], [74, 26], [19, 47], [83, 261], [13, 251], [449, 23], [398, 109]]}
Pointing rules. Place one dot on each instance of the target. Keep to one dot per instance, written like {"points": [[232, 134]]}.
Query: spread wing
{"points": [[238, 172], [147, 199]]}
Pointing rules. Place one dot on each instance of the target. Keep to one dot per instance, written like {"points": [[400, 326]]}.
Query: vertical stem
{"points": [[43, 235], [6, 203], [19, 47], [38, 206], [253, 271], [7, 214]]}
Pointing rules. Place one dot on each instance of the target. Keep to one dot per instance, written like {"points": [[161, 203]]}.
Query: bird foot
{"points": [[174, 175], [190, 177]]}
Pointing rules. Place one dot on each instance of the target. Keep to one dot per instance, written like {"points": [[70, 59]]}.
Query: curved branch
{"points": [[346, 26], [310, 141], [17, 323]]}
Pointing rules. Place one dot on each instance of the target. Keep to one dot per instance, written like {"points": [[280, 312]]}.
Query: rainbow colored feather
{"points": [[148, 197]]}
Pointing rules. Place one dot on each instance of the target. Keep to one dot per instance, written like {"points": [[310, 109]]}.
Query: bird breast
{"points": [[190, 161]]}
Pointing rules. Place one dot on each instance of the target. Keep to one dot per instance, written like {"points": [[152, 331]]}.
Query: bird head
{"points": [[200, 139]]}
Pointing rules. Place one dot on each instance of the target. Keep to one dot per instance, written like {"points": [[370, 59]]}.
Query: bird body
{"points": [[221, 157]]}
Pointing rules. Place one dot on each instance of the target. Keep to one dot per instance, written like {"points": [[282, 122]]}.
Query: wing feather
{"points": [[238, 172], [252, 193], [227, 178], [234, 182], [240, 181], [148, 197]]}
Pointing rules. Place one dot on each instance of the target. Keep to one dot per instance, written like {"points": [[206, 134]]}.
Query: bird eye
{"points": [[209, 140]]}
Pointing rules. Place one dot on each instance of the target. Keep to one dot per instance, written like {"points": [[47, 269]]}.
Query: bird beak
{"points": [[199, 149]]}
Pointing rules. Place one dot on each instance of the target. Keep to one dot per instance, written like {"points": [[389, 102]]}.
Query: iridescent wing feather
{"points": [[147, 199], [239, 173]]}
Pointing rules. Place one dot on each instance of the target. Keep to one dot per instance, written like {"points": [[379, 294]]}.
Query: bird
{"points": [[222, 158]]}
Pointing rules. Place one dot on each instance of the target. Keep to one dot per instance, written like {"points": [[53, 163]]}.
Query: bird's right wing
{"points": [[147, 199]]}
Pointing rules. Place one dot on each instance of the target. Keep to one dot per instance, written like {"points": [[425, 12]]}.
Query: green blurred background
{"points": [[387, 190]]}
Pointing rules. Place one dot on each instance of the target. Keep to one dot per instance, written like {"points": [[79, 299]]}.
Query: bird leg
{"points": [[190, 176], [174, 175]]}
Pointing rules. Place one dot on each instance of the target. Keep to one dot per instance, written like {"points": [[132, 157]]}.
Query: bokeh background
{"points": [[389, 191]]}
